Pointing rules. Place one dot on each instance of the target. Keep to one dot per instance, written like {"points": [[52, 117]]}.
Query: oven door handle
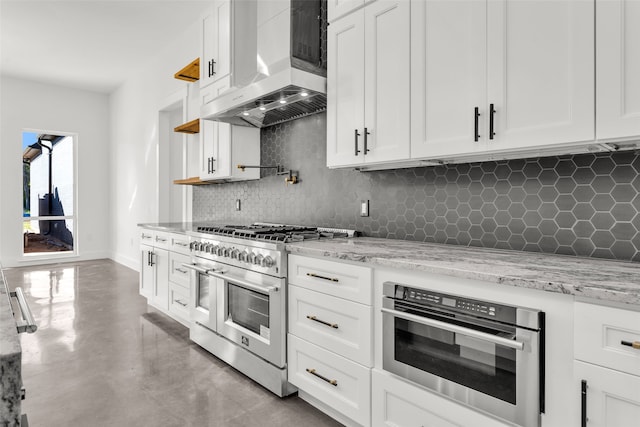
{"points": [[517, 345], [195, 267], [244, 283]]}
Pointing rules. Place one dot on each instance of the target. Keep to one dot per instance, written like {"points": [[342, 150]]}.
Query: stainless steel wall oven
{"points": [[489, 356]]}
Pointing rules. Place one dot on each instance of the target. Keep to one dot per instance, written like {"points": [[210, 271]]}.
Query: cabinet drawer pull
{"points": [[634, 344], [315, 319], [182, 303], [181, 270], [160, 239], [356, 135], [182, 244], [145, 236], [314, 373], [317, 276]]}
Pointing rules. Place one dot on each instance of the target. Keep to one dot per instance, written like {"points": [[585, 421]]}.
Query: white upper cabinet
{"points": [[617, 69], [540, 73], [500, 76], [215, 60], [368, 87], [448, 79]]}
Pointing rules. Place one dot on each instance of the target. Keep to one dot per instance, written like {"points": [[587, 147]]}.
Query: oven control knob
{"points": [[251, 258], [192, 246], [267, 262], [259, 260], [244, 256], [214, 249], [226, 252], [207, 247], [197, 246], [235, 254]]}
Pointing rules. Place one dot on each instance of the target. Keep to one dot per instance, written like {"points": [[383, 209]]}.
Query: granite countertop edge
{"points": [[597, 280], [594, 279]]}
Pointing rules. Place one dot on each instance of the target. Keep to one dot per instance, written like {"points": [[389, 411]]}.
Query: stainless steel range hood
{"points": [[290, 80]]}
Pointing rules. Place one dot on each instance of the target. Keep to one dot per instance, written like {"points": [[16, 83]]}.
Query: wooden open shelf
{"points": [[190, 127], [192, 181], [191, 72]]}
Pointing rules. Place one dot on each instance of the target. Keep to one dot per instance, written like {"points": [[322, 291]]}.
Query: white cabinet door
{"points": [[386, 132], [448, 77], [612, 397], [160, 262], [146, 271], [368, 85], [540, 73], [215, 61], [337, 8], [617, 69], [345, 90]]}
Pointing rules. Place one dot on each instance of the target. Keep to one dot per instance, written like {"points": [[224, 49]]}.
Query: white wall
{"points": [[36, 106], [134, 127]]}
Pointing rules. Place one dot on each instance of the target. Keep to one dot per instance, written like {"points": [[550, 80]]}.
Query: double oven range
{"points": [[239, 296]]}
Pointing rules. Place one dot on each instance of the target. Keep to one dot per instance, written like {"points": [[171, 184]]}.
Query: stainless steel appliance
{"points": [[489, 356], [238, 296]]}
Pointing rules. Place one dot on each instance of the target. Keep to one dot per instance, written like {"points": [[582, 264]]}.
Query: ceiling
{"points": [[88, 44]]}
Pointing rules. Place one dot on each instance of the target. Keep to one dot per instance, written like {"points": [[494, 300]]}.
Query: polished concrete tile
{"points": [[101, 357]]}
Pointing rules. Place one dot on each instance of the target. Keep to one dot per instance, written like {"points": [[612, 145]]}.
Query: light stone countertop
{"points": [[592, 278], [10, 361]]}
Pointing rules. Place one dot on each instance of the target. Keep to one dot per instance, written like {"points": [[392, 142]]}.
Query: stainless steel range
{"points": [[238, 295]]}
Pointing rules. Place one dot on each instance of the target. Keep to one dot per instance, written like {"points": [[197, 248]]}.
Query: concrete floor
{"points": [[101, 357]]}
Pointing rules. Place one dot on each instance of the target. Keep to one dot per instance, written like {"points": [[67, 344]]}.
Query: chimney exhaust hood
{"points": [[290, 76]]}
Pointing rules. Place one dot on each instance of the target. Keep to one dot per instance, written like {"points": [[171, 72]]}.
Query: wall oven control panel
{"points": [[470, 306]]}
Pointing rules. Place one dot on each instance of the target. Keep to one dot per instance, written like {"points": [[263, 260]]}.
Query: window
{"points": [[48, 193]]}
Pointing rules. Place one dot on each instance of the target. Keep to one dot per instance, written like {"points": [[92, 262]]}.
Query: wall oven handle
{"points": [[28, 324], [244, 283], [516, 345]]}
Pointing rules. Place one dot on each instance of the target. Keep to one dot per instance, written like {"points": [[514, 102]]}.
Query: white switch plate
{"points": [[364, 208], [237, 204]]}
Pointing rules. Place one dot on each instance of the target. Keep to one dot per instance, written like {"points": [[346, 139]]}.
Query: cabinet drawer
{"points": [[161, 240], [177, 273], [341, 326], [352, 282], [179, 301], [147, 237], [332, 379], [179, 243], [599, 335], [398, 403]]}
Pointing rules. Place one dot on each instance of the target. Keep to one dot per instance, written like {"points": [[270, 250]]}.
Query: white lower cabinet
{"points": [[333, 380], [330, 340], [164, 282], [607, 365], [398, 403], [611, 399]]}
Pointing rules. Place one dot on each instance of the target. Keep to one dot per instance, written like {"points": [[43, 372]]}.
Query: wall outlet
{"points": [[237, 204], [364, 208]]}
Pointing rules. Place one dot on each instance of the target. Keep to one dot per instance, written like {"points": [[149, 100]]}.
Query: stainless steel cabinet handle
{"points": [[516, 345], [317, 276], [315, 319], [182, 303], [356, 135], [323, 378], [151, 263], [145, 236], [182, 244], [180, 270], [28, 324], [160, 239]]}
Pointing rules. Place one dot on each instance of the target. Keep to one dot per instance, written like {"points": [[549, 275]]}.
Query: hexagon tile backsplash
{"points": [[586, 205]]}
